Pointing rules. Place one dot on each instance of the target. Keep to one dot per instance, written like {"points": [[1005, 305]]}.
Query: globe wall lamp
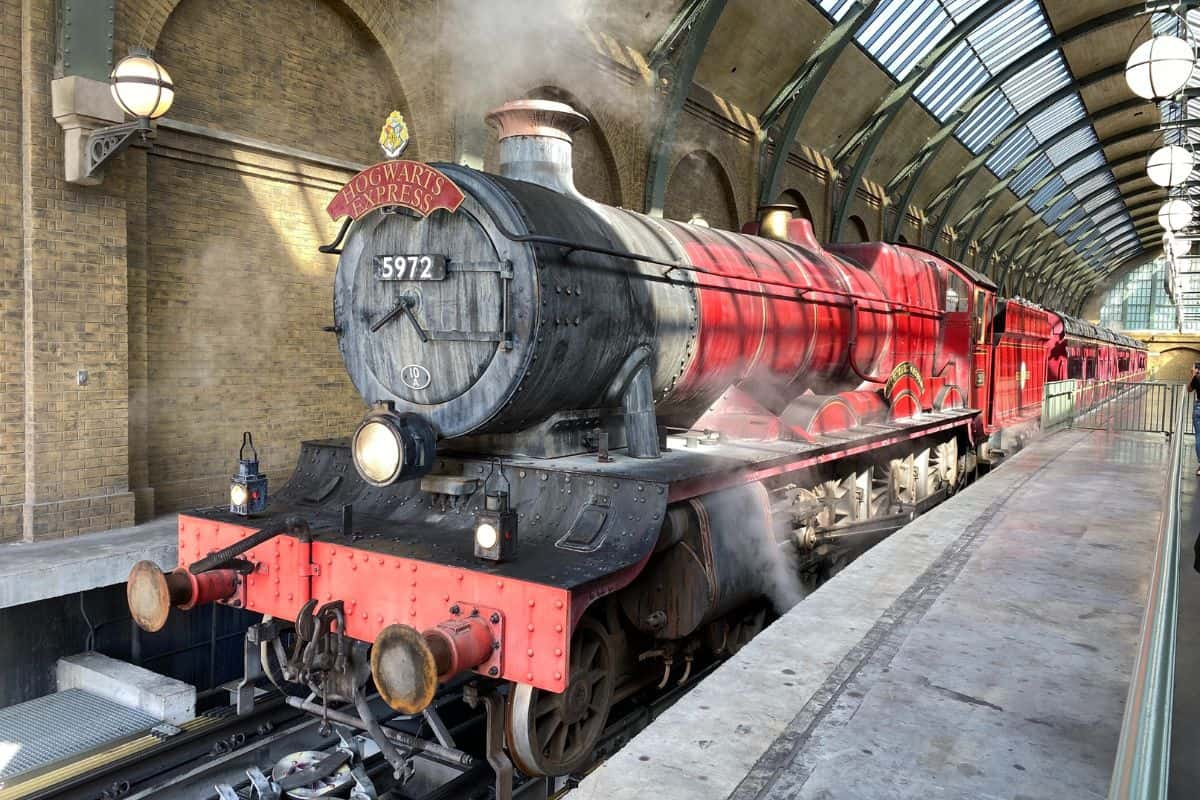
{"points": [[1160, 67], [143, 90], [95, 114]]}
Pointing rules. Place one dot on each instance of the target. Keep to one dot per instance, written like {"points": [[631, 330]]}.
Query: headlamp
{"points": [[390, 447], [248, 489]]}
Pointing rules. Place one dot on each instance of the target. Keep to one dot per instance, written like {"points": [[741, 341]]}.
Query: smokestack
{"points": [[535, 142]]}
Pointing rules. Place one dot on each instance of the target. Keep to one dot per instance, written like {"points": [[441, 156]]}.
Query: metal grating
{"points": [[60, 726]]}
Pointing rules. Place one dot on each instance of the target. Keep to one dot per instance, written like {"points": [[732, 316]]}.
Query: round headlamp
{"points": [[389, 447]]}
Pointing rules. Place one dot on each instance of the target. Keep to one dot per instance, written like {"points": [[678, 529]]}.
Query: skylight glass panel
{"points": [[952, 82], [1039, 168], [1060, 207], [836, 9], [1009, 154], [1009, 33], [1038, 80], [986, 121], [1057, 118], [1065, 224], [1069, 146], [1083, 163], [900, 33], [1095, 192]]}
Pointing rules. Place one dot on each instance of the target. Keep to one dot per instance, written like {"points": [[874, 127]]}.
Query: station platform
{"points": [[983, 651]]}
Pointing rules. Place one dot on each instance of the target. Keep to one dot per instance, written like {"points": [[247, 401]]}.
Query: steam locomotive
{"points": [[601, 443]]}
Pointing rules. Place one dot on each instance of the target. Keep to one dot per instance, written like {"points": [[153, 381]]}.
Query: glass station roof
{"points": [[1032, 126]]}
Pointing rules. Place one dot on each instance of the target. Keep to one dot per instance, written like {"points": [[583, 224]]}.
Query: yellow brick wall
{"points": [[74, 318], [12, 350], [235, 291]]}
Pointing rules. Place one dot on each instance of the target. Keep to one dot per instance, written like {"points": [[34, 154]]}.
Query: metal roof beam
{"points": [[867, 138], [914, 170], [673, 62], [797, 95]]}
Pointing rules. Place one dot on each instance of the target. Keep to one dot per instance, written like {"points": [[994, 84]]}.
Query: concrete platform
{"points": [[57, 567], [984, 651]]}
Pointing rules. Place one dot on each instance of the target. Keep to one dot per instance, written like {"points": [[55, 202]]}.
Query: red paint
{"points": [[379, 590], [410, 184]]}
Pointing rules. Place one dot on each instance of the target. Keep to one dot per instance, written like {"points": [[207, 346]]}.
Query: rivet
{"points": [[530, 627], [558, 628], [381, 561], [289, 595], [460, 576], [397, 565], [412, 612], [528, 676], [329, 595], [366, 557], [499, 584], [381, 618], [531, 604], [414, 567], [529, 653], [558, 603], [364, 615], [446, 597], [558, 651], [353, 566], [412, 597], [558, 676], [414, 581]]}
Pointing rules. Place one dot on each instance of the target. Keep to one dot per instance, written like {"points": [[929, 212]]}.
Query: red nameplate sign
{"points": [[411, 184]]}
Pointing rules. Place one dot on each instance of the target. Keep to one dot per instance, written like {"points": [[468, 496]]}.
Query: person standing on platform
{"points": [[1194, 386]]}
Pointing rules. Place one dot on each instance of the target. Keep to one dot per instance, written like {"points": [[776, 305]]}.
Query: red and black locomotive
{"points": [[598, 440]]}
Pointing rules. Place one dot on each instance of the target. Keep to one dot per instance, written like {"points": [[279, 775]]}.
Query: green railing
{"points": [[1143, 755]]}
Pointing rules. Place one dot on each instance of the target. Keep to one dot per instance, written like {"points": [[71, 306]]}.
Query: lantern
{"points": [[1170, 165], [1174, 215], [248, 489], [1160, 67]]}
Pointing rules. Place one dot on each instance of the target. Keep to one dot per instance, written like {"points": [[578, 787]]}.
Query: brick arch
{"points": [[405, 30], [1175, 363], [596, 172], [700, 184]]}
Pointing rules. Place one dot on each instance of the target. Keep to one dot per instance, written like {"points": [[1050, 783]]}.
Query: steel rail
{"points": [[1143, 753]]}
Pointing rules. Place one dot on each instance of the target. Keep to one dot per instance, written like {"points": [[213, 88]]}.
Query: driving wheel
{"points": [[555, 734]]}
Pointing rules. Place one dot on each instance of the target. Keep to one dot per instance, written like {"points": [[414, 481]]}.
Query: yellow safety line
{"points": [[66, 772]]}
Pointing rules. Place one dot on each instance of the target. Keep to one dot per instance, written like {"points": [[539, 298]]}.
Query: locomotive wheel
{"points": [[945, 462], [555, 734]]}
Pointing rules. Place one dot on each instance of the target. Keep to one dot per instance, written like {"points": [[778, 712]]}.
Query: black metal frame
{"points": [[105, 144]]}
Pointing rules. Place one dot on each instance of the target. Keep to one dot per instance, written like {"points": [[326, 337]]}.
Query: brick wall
{"points": [[12, 338], [235, 292], [74, 319]]}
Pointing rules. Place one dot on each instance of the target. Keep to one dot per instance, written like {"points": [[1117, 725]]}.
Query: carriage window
{"points": [[1075, 368], [957, 294], [1091, 368]]}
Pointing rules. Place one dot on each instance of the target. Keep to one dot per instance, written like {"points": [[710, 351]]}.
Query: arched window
{"points": [[1138, 301], [700, 186]]}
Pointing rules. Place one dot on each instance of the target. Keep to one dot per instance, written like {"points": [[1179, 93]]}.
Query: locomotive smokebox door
{"points": [[428, 323]]}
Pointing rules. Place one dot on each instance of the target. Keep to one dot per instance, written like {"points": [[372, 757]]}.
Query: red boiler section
{"points": [[779, 320]]}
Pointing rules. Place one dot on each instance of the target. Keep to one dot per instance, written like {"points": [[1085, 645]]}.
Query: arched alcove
{"points": [[856, 230], [793, 197], [700, 185], [226, 305], [1174, 364]]}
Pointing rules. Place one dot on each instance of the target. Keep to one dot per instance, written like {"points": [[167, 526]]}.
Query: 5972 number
{"points": [[410, 268]]}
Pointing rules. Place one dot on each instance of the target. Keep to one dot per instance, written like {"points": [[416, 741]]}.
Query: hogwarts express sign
{"points": [[409, 184]]}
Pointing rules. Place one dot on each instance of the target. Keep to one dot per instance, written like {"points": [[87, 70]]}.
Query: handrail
{"points": [[1144, 752]]}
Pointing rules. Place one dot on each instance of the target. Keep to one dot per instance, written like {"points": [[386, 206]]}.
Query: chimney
{"points": [[535, 142]]}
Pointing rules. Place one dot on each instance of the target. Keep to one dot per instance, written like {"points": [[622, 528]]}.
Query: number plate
{"points": [[410, 268]]}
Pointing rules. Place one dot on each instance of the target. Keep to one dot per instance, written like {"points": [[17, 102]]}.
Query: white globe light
{"points": [[1170, 165], [1159, 67], [1174, 215], [141, 87]]}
